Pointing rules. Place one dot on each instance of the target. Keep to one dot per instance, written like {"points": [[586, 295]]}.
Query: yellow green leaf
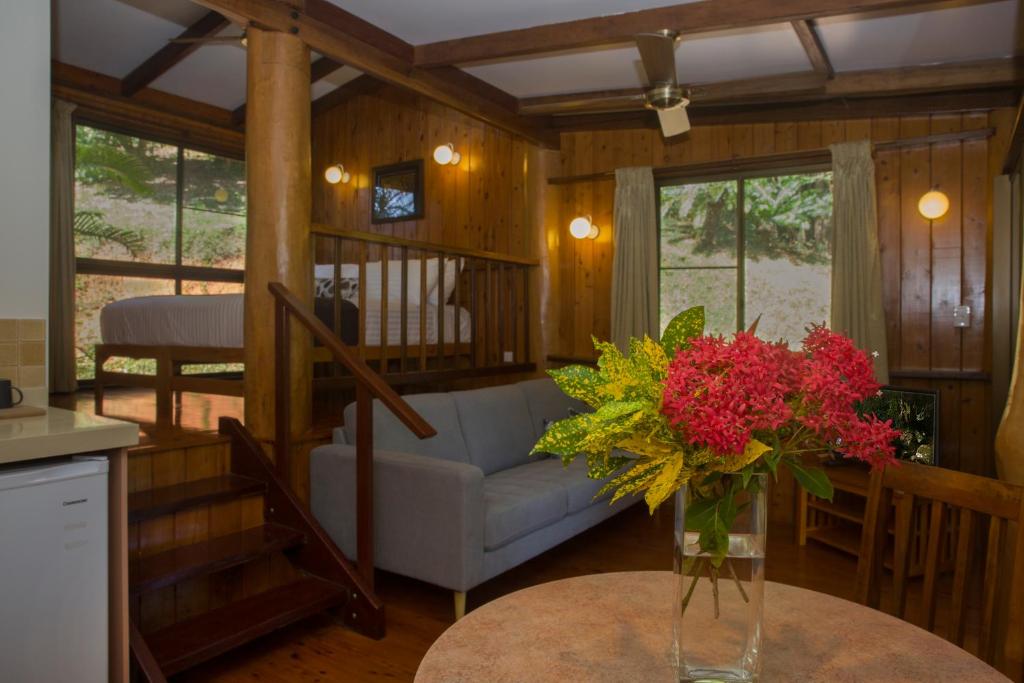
{"points": [[665, 484]]}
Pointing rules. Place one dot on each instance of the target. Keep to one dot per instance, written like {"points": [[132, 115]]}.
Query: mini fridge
{"points": [[53, 572]]}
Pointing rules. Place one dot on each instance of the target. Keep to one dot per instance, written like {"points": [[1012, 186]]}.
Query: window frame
{"points": [[176, 271], [738, 177]]}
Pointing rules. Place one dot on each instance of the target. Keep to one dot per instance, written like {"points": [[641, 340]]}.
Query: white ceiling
{"points": [[115, 36], [428, 21], [764, 51]]}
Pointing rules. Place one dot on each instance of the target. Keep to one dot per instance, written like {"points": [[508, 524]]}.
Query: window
{"points": [[748, 247], [151, 218]]}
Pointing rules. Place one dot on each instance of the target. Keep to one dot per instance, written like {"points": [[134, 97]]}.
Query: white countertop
{"points": [[62, 432]]}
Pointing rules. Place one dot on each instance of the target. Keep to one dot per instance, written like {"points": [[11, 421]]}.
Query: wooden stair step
{"points": [[188, 561], [167, 500], [193, 641]]}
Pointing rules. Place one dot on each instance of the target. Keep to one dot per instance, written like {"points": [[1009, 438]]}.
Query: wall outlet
{"points": [[510, 357], [961, 316]]}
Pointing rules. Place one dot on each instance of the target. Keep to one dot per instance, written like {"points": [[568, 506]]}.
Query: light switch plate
{"points": [[961, 316], [510, 357]]}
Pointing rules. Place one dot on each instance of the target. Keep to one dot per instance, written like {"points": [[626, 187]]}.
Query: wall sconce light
{"points": [[446, 154], [933, 205], [582, 227], [337, 174]]}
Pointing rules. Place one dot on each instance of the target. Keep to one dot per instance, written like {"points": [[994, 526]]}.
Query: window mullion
{"points": [[178, 217], [741, 265]]}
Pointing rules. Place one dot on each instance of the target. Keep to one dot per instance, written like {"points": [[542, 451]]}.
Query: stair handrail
{"points": [[369, 385]]}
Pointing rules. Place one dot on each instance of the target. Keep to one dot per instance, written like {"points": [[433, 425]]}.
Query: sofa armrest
{"points": [[428, 513]]}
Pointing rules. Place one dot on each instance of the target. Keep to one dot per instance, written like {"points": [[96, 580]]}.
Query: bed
{"points": [[178, 331]]}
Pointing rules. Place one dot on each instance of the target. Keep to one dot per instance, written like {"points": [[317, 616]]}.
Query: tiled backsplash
{"points": [[23, 352]]}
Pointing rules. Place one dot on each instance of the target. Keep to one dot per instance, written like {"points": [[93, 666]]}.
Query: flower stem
{"points": [[713, 572], [698, 569], [732, 571]]}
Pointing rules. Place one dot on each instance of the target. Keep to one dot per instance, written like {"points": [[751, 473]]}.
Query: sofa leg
{"points": [[460, 605]]}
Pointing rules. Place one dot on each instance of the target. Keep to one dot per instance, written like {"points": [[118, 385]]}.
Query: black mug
{"points": [[7, 395]]}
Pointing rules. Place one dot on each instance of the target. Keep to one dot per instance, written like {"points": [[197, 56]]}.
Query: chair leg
{"points": [[460, 605]]}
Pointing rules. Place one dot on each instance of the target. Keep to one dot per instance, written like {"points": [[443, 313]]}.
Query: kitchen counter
{"points": [[62, 432]]}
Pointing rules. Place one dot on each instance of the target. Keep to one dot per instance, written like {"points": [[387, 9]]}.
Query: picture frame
{"points": [[397, 192], [915, 412]]}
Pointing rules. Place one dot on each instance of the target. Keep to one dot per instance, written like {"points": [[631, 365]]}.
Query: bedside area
{"points": [[52, 467]]}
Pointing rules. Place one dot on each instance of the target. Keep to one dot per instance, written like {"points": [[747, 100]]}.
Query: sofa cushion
{"points": [[547, 403], [580, 488], [390, 434], [521, 500], [497, 426]]}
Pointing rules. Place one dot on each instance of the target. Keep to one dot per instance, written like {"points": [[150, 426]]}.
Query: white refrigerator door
{"points": [[53, 573]]}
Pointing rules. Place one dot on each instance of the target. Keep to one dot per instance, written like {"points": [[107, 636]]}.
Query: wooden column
{"points": [[277, 150]]}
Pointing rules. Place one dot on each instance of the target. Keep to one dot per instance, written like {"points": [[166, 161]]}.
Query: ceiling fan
{"points": [[663, 94]]}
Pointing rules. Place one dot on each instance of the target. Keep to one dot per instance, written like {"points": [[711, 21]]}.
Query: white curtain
{"points": [[635, 261], [856, 263], [62, 248]]}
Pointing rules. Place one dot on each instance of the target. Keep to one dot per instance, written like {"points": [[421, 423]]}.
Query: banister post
{"points": [[364, 482], [282, 389]]}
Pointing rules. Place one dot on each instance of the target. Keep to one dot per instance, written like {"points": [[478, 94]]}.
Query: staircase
{"points": [[197, 517], [311, 575]]}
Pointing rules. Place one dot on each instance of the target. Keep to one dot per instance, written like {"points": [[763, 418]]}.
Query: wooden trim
{"points": [[1011, 164], [360, 236], [698, 17], [164, 59], [432, 376], [957, 375], [811, 41], [775, 161], [149, 112], [333, 33], [91, 266]]}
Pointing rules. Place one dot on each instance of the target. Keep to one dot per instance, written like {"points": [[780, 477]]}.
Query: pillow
{"points": [[451, 273], [372, 286]]}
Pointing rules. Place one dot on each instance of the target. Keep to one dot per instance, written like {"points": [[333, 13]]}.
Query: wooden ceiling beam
{"points": [[161, 61], [805, 86], [320, 25], [824, 110], [149, 111], [696, 17], [809, 38]]}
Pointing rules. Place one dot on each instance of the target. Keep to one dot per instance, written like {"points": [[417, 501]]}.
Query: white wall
{"points": [[24, 158]]}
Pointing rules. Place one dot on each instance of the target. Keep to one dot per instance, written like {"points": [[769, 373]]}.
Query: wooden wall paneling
{"points": [[808, 135], [887, 187], [946, 169], [833, 132], [583, 310], [764, 138], [566, 251], [743, 140], [915, 249], [603, 198], [785, 137], [976, 196], [858, 129]]}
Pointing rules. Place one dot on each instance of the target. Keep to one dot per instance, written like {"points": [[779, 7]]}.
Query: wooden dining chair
{"points": [[956, 504]]}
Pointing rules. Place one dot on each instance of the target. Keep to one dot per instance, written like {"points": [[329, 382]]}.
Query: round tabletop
{"points": [[618, 627]]}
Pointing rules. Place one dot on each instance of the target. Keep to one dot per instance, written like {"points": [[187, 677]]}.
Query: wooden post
{"points": [[278, 174]]}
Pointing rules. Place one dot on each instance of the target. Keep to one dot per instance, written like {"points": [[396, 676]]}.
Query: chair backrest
{"points": [[957, 506]]}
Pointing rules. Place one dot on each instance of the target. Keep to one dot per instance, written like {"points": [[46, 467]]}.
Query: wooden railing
{"points": [[368, 384], [456, 313]]}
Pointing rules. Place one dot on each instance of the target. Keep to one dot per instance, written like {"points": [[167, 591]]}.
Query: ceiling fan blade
{"points": [[674, 121], [658, 53]]}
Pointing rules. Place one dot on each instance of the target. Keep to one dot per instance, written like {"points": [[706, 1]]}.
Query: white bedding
{"points": [[217, 320]]}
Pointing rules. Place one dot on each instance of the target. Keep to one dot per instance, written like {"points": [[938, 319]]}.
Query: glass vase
{"points": [[719, 610]]}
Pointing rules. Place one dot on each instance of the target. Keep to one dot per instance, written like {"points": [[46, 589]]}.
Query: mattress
{"points": [[217, 320]]}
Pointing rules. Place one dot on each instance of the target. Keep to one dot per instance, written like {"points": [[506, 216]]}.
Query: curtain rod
{"points": [[768, 161]]}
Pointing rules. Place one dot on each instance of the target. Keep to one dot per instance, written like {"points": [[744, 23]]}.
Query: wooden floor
{"points": [[321, 649]]}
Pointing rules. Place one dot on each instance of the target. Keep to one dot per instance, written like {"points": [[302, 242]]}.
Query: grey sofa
{"points": [[470, 503]]}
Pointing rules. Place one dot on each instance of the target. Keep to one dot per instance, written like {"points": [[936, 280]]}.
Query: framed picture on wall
{"points": [[397, 192]]}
